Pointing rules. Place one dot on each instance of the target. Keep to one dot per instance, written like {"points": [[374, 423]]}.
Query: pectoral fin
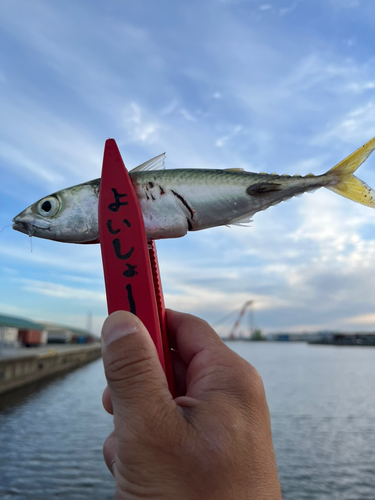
{"points": [[263, 188]]}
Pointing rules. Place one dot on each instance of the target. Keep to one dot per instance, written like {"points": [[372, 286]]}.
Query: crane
{"points": [[236, 325]]}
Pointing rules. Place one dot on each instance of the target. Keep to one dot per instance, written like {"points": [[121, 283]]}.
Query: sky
{"points": [[282, 86]]}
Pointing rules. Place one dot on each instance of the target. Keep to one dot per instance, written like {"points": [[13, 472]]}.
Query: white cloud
{"points": [[38, 144], [20, 161], [362, 319], [81, 279], [187, 115], [169, 108], [138, 126], [355, 127], [361, 87], [12, 310], [62, 291], [198, 299], [79, 259], [322, 263], [293, 99], [221, 141], [286, 10], [316, 69]]}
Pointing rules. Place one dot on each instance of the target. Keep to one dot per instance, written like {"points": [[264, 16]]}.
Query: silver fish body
{"points": [[174, 202]]}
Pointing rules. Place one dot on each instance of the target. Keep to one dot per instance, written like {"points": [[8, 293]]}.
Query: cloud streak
{"points": [[62, 291], [263, 86]]}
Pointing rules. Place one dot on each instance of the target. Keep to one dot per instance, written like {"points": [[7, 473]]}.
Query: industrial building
{"points": [[20, 331], [17, 332], [60, 334], [343, 338]]}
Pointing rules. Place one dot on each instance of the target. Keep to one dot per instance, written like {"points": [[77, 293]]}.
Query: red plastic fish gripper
{"points": [[131, 270]]}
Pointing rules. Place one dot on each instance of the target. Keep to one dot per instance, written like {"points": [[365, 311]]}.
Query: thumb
{"points": [[136, 380]]}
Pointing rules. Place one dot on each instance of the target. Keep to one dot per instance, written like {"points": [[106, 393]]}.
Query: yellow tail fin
{"points": [[349, 185]]}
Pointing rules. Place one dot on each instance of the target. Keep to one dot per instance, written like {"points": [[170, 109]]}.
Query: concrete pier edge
{"points": [[18, 371]]}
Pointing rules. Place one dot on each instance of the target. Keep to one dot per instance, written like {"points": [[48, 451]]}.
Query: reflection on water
{"points": [[21, 396], [51, 439], [322, 406]]}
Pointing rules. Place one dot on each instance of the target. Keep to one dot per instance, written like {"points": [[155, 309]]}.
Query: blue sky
{"points": [[285, 86]]}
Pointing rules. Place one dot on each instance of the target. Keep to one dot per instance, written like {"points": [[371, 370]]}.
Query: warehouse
{"points": [[60, 334], [19, 331]]}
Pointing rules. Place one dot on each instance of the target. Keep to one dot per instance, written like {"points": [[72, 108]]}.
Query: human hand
{"points": [[213, 441]]}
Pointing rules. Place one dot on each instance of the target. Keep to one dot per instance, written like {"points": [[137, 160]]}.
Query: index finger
{"points": [[191, 335], [212, 366]]}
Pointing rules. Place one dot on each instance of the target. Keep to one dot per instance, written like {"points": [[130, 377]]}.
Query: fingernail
{"points": [[119, 324]]}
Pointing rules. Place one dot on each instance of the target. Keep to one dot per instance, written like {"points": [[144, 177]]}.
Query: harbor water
{"points": [[322, 404]]}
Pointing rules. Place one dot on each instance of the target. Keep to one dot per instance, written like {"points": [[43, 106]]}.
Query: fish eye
{"points": [[48, 207]]}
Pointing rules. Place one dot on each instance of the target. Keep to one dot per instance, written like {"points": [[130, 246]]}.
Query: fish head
{"points": [[69, 215]]}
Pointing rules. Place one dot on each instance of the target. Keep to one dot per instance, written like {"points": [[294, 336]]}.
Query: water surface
{"points": [[322, 403], [51, 438]]}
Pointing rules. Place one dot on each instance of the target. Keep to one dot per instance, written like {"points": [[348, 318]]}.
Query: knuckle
{"points": [[245, 387], [123, 366], [248, 380], [255, 383]]}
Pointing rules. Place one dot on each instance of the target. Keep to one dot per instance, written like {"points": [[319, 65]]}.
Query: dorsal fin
{"points": [[156, 163]]}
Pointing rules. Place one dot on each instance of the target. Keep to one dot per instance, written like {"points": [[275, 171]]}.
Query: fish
{"points": [[174, 202]]}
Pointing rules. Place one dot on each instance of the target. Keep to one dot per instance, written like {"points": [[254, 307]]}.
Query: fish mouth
{"points": [[23, 227], [26, 227]]}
